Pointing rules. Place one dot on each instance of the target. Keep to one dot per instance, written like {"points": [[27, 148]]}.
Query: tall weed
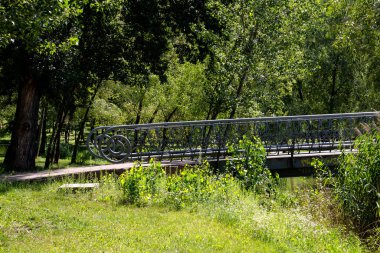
{"points": [[141, 185], [357, 185], [192, 186], [247, 164]]}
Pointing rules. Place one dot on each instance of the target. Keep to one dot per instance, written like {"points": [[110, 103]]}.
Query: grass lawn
{"points": [[38, 218]]}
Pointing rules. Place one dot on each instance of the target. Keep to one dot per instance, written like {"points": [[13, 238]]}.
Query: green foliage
{"points": [[192, 186], [322, 173], [6, 115], [141, 185], [357, 185], [189, 186], [247, 163], [65, 150], [84, 157], [196, 185], [184, 91], [106, 113]]}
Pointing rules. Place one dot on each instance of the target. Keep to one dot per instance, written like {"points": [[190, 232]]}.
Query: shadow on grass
{"points": [[6, 186]]}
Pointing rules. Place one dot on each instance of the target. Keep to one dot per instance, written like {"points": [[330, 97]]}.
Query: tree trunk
{"points": [[238, 92], [164, 137], [235, 105], [51, 146], [22, 151], [42, 133], [57, 141], [57, 151], [83, 125], [150, 121], [80, 134], [67, 134]]}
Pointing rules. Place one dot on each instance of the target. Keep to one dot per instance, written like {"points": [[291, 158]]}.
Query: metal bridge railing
{"points": [[210, 138]]}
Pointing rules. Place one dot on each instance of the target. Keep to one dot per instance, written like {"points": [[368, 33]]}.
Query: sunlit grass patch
{"points": [[99, 220], [81, 223]]}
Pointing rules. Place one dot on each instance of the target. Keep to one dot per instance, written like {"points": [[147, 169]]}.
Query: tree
{"points": [[338, 46], [241, 67], [87, 41], [32, 32]]}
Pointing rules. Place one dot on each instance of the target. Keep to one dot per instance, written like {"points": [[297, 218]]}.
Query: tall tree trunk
{"points": [[238, 92], [57, 150], [139, 110], [67, 134], [154, 114], [82, 126], [248, 48], [51, 146], [57, 140], [80, 134], [42, 132], [235, 105], [22, 151], [212, 115]]}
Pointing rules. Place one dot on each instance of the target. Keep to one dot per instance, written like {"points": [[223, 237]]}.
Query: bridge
{"points": [[290, 141]]}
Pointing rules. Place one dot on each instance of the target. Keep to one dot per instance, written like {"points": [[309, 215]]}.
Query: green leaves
{"points": [[37, 24], [141, 185], [187, 188], [357, 185], [247, 163]]}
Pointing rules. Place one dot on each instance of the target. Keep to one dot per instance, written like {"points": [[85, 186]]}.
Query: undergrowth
{"points": [[357, 187]]}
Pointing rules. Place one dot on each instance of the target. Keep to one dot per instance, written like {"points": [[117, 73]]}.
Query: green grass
{"points": [[38, 218], [81, 223]]}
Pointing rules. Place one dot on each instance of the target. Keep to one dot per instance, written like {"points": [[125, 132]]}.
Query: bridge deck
{"points": [[89, 170]]}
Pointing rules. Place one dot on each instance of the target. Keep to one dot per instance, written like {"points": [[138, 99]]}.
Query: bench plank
{"points": [[79, 186]]}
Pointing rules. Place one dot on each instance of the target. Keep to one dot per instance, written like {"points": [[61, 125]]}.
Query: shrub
{"points": [[141, 185], [65, 150], [187, 187], [358, 183], [196, 185], [193, 185], [247, 164], [83, 157]]}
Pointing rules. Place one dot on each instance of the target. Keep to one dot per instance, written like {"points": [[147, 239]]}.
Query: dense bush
{"points": [[247, 164], [144, 186], [140, 185], [358, 183]]}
